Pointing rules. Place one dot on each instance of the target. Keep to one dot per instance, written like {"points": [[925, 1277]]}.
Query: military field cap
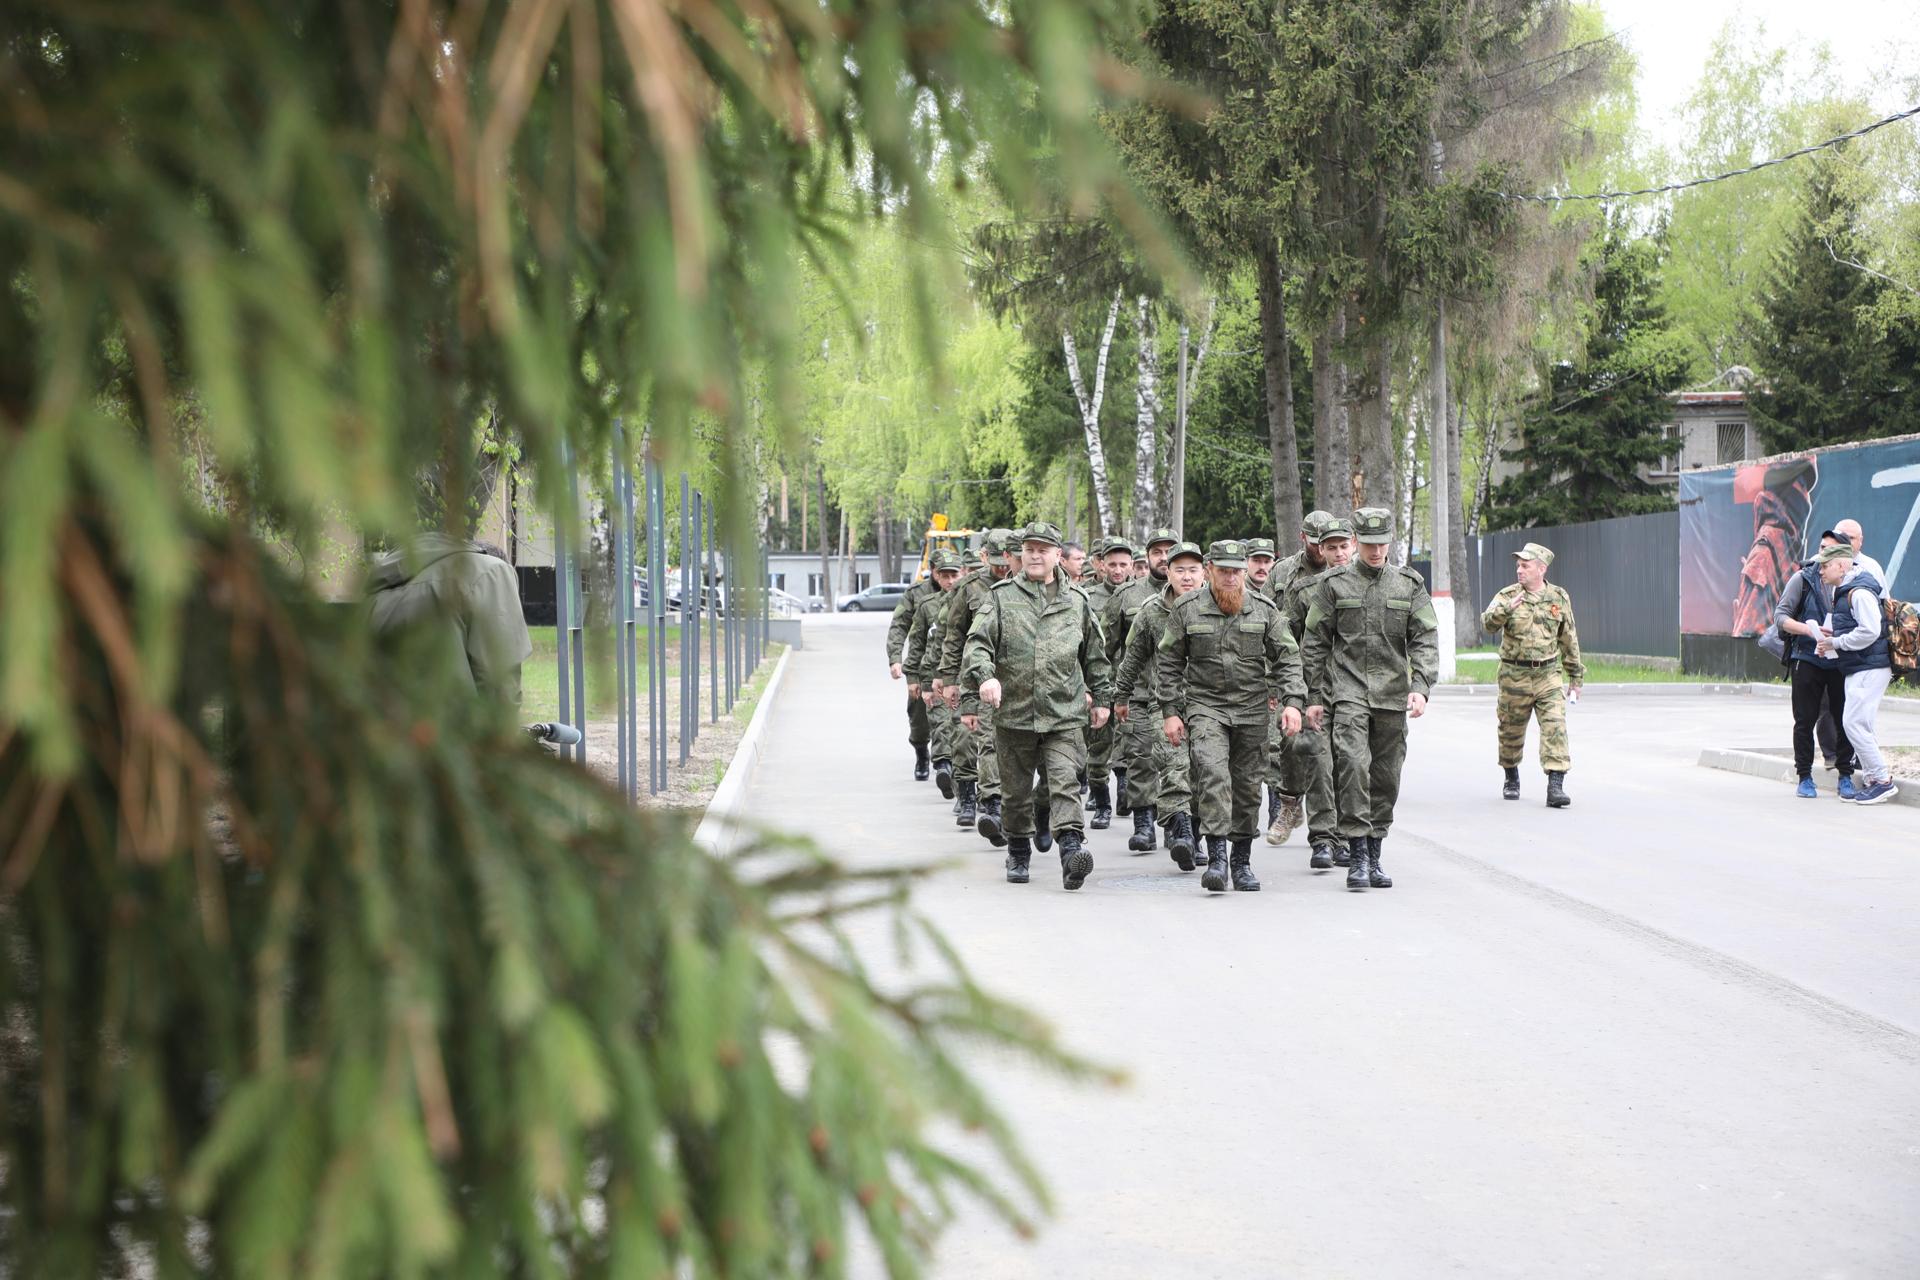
{"points": [[1186, 549], [1838, 551], [1230, 553], [947, 560], [1334, 527], [1160, 535], [997, 540], [1041, 531], [1373, 524], [1534, 551], [1119, 544], [1262, 547], [1098, 547], [1314, 524]]}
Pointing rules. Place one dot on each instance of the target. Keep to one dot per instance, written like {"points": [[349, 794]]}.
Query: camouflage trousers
{"points": [[945, 730], [917, 725], [1099, 752], [1172, 769], [1133, 750], [974, 758], [1526, 692], [1369, 750], [1228, 763], [1307, 772], [1055, 758]]}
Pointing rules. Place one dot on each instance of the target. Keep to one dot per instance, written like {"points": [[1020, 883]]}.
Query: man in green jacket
{"points": [[1136, 692], [1227, 661], [1116, 571], [451, 602], [917, 723], [1034, 655], [1305, 784], [920, 655], [1133, 743], [1372, 652], [975, 762]]}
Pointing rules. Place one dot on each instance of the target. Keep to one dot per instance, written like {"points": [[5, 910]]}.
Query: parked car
{"points": [[881, 597]]}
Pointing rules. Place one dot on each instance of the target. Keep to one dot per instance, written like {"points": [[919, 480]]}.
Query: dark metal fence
{"points": [[1623, 575]]}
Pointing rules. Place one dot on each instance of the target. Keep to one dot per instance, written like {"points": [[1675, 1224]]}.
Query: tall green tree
{"points": [[1833, 367], [1597, 421]]}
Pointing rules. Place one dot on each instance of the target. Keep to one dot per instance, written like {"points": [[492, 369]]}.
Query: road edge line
{"points": [[718, 832]]}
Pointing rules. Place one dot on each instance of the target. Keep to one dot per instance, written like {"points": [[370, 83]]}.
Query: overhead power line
{"points": [[1861, 132]]}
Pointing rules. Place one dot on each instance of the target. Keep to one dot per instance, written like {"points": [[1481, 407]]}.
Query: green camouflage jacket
{"points": [[1289, 576], [1138, 681], [903, 616], [1226, 668], [1536, 628], [1117, 611], [1044, 648], [1371, 637], [925, 634], [963, 603], [456, 604]]}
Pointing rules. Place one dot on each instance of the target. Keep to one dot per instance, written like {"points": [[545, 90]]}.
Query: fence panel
{"points": [[1623, 575]]}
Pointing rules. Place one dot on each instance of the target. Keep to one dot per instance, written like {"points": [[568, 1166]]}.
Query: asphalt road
{"points": [[1671, 1031]]}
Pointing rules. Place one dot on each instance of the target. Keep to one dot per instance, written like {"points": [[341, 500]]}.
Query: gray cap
{"points": [[1334, 527], [1314, 524]]}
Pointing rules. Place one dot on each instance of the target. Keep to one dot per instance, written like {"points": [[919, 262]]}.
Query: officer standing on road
{"points": [[921, 657], [1136, 692], [1226, 660], [975, 763], [918, 728], [1034, 654], [1372, 654], [1307, 757], [1132, 742], [1538, 645], [1115, 558]]}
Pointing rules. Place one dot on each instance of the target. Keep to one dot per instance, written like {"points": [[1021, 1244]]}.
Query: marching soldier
{"points": [[1260, 557], [975, 761], [1034, 655], [1284, 812], [1132, 743], [1371, 654], [1226, 660], [917, 724], [921, 657], [1538, 646], [1307, 757], [1115, 558], [1136, 692]]}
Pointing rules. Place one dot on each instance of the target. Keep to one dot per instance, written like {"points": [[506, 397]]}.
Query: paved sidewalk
{"points": [[1674, 1030]]}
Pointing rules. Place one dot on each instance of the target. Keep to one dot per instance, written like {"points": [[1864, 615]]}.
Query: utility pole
{"points": [[1437, 453], [1178, 479]]}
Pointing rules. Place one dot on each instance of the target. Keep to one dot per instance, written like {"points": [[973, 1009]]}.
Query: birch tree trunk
{"points": [[1466, 614], [1090, 412], [1277, 359], [1407, 482], [1146, 390]]}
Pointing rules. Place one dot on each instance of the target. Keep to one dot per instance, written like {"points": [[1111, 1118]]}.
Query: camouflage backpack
{"points": [[1902, 624]]}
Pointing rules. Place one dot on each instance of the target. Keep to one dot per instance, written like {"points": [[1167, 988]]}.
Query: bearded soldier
{"points": [[917, 723], [1371, 653], [1115, 559], [1132, 743], [1034, 652], [975, 759], [1136, 692], [921, 655], [1226, 661], [1538, 643]]}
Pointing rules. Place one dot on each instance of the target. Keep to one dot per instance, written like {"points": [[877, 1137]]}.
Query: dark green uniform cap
{"points": [[1262, 547], [1334, 527], [1186, 549], [1041, 531], [1373, 524], [996, 541], [1160, 535], [1314, 524], [1121, 544], [1230, 553], [947, 560]]}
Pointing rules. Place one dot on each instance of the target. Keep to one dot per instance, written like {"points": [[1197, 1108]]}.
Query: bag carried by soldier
{"points": [[1902, 626]]}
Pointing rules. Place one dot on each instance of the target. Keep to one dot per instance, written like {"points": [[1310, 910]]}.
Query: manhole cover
{"points": [[1173, 881]]}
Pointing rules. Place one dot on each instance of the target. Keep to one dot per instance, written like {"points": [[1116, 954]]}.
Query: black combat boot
{"points": [[1082, 776], [988, 822], [1042, 824], [1102, 805], [969, 810], [1322, 859], [1342, 856], [1120, 805], [943, 777], [1510, 789], [1357, 853], [1557, 797], [1241, 864], [1375, 876], [1180, 840], [920, 762], [1214, 880], [1076, 864], [1145, 835], [1018, 852]]}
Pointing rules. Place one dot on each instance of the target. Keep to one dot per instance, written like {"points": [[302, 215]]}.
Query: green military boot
{"points": [[1241, 865], [1076, 864], [1375, 876], [1510, 790], [1018, 854], [969, 810], [1180, 840], [1557, 797], [1214, 880], [1357, 862]]}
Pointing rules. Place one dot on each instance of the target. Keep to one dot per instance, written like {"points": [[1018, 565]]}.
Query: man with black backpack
{"points": [[1817, 680]]}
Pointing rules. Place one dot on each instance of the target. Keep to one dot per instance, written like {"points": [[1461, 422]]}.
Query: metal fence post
{"points": [[656, 628], [713, 624], [686, 630], [569, 638], [622, 613]]}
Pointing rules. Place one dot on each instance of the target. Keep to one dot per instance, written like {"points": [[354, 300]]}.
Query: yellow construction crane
{"points": [[940, 538]]}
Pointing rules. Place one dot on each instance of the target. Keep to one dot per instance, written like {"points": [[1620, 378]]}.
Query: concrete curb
{"points": [[718, 832], [1773, 768], [1677, 688]]}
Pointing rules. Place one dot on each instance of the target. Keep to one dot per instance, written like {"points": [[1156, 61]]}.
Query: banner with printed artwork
{"points": [[1744, 529]]}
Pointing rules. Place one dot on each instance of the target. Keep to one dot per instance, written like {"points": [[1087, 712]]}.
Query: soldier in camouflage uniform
{"points": [[1034, 652], [1114, 556], [1260, 557], [1371, 652], [975, 760], [1538, 645], [1133, 742], [921, 656], [1305, 783], [1226, 660], [1284, 810], [1136, 692], [917, 723]]}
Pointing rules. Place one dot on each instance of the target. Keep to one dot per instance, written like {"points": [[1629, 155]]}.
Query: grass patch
{"points": [[540, 677], [1486, 670]]}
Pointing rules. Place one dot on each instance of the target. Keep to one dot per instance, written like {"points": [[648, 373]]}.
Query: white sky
{"points": [[1870, 40]]}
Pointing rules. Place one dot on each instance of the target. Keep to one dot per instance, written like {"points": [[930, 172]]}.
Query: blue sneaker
{"points": [[1878, 793], [1846, 787], [1806, 790]]}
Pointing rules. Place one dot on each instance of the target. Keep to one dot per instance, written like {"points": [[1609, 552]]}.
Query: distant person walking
{"points": [[1818, 683], [1858, 642], [1540, 670]]}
